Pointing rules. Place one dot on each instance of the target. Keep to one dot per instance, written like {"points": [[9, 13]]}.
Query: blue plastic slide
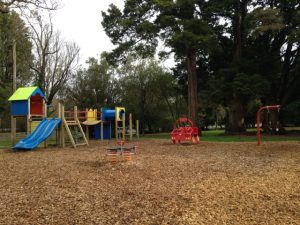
{"points": [[40, 134]]}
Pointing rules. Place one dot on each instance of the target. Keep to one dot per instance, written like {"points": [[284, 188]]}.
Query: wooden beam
{"points": [[75, 113], [81, 130], [116, 127], [13, 130], [45, 115], [28, 118], [101, 130], [14, 78], [137, 129], [87, 127], [13, 120], [130, 127], [123, 127], [45, 108], [69, 133], [58, 138], [63, 138]]}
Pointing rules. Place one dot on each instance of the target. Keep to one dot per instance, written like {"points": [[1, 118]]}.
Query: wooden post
{"points": [[59, 127], [130, 127], [101, 130], [79, 126], [75, 119], [45, 115], [45, 108], [59, 110], [116, 128], [86, 126], [67, 129], [14, 66], [63, 141], [110, 130], [123, 127], [13, 130], [137, 129], [75, 113], [13, 120], [28, 118]]}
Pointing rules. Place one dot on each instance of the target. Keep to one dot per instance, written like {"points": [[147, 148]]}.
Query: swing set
{"points": [[268, 107]]}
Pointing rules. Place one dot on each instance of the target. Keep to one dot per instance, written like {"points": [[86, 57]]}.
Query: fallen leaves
{"points": [[208, 183]]}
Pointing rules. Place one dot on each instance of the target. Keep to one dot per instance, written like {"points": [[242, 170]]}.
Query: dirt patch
{"points": [[208, 183]]}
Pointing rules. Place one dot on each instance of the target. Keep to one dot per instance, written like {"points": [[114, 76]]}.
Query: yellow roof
{"points": [[24, 93]]}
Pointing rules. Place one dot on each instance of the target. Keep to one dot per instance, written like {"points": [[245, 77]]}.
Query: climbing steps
{"points": [[73, 136]]}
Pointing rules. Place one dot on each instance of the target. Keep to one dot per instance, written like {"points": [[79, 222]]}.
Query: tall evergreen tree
{"points": [[183, 25], [12, 28], [259, 57]]}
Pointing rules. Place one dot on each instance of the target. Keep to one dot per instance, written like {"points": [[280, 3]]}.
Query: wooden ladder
{"points": [[75, 123]]}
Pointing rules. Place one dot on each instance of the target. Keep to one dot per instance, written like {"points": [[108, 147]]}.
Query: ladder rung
{"points": [[72, 123]]}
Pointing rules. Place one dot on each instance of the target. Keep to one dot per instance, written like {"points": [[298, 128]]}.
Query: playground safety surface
{"points": [[208, 183]]}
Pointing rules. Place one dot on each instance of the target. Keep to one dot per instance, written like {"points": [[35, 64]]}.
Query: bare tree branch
{"points": [[54, 59], [7, 5]]}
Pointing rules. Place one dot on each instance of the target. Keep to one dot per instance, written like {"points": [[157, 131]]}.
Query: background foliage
{"points": [[230, 57]]}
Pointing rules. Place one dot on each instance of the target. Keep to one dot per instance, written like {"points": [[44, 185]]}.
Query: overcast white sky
{"points": [[80, 21]]}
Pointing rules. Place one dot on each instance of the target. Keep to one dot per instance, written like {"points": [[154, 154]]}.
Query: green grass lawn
{"points": [[213, 136], [219, 136], [4, 144]]}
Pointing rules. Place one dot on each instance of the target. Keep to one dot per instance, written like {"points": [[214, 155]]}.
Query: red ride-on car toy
{"points": [[184, 130]]}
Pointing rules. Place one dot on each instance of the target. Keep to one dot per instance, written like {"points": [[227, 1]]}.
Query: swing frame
{"points": [[268, 107]]}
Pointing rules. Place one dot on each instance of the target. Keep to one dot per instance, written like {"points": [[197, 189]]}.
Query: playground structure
{"points": [[184, 130], [92, 121], [30, 102], [99, 124], [268, 107], [70, 120], [117, 115]]}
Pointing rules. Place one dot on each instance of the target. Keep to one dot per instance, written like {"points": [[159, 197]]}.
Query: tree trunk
{"points": [[285, 71], [236, 113], [237, 32], [236, 121], [271, 123], [238, 28], [192, 88]]}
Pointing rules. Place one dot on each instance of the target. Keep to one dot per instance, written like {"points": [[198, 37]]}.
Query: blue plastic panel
{"points": [[97, 131], [106, 131], [108, 114], [19, 108]]}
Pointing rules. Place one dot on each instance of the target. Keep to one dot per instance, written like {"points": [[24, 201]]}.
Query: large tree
{"points": [[183, 25], [94, 87], [275, 45], [13, 28], [55, 59], [259, 55], [147, 89]]}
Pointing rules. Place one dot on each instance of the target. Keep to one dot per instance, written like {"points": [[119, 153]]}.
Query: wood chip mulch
{"points": [[208, 183]]}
